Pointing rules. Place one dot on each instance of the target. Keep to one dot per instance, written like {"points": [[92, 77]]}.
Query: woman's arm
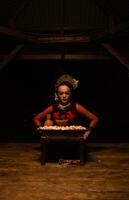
{"points": [[38, 118], [92, 118]]}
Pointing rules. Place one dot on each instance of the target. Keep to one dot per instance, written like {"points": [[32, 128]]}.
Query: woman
{"points": [[65, 111]]}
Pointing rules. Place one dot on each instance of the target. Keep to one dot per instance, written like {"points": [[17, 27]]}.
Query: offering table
{"points": [[66, 133]]}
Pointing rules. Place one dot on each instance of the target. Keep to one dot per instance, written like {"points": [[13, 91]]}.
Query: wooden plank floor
{"points": [[104, 177]]}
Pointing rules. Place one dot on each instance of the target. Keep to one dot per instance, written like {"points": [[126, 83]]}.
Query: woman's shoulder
{"points": [[80, 107]]}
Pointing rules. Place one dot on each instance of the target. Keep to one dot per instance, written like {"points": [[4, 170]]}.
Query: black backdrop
{"points": [[26, 87]]}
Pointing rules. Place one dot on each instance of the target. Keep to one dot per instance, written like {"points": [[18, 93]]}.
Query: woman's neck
{"points": [[63, 106]]}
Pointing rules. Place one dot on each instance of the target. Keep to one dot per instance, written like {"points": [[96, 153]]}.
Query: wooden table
{"points": [[75, 136]]}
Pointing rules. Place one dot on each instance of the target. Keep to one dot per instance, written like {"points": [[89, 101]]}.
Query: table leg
{"points": [[43, 151], [82, 152]]}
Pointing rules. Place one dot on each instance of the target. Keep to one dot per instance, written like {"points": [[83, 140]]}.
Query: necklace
{"points": [[62, 107]]}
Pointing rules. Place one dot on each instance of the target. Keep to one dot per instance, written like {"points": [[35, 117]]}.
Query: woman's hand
{"points": [[86, 134], [48, 122]]}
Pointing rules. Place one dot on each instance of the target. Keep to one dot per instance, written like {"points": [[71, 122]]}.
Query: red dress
{"points": [[66, 114]]}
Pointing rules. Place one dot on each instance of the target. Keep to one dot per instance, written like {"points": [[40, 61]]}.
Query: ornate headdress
{"points": [[68, 80]]}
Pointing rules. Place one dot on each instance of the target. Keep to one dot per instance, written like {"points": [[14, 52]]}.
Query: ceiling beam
{"points": [[58, 56], [116, 55], [44, 39], [11, 56]]}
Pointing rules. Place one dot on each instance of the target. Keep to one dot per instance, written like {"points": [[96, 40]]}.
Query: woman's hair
{"points": [[68, 80]]}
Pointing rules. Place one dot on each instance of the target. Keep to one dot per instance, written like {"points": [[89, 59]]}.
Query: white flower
{"points": [[75, 83], [56, 97]]}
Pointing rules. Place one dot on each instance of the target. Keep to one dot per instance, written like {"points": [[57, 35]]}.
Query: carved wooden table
{"points": [[65, 135]]}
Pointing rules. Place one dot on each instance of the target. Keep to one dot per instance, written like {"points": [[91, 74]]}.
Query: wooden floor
{"points": [[105, 176]]}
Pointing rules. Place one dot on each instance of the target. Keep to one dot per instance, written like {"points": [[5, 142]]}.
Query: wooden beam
{"points": [[11, 56], [116, 55], [58, 56], [62, 39], [66, 57]]}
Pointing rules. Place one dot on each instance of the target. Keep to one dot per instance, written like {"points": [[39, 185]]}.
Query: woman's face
{"points": [[64, 94]]}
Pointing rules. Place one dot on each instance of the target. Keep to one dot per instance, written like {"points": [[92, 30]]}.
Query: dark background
{"points": [[27, 87]]}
